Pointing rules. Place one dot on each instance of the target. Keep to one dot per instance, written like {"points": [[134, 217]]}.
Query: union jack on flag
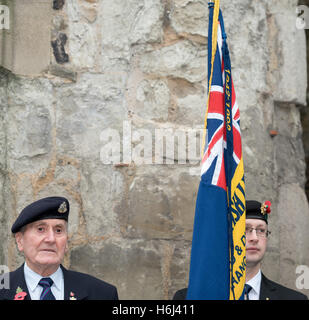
{"points": [[217, 267], [213, 168]]}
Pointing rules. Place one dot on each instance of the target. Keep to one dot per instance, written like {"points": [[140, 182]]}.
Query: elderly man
{"points": [[257, 286], [41, 234]]}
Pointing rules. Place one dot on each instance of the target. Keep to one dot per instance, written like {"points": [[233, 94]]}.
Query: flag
{"points": [[218, 265]]}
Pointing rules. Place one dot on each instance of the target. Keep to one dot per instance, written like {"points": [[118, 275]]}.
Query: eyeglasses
{"points": [[260, 232]]}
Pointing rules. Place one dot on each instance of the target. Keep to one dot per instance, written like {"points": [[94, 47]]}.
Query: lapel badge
{"points": [[63, 207]]}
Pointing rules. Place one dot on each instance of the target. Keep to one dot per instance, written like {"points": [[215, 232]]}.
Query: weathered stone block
{"points": [[3, 112], [180, 267], [287, 143], [183, 59], [127, 264], [190, 17], [293, 212], [103, 187], [152, 100], [30, 114], [287, 55], [153, 209], [85, 109], [25, 47], [120, 26]]}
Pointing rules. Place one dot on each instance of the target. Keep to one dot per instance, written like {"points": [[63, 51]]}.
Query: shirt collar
{"points": [[255, 282], [32, 278]]}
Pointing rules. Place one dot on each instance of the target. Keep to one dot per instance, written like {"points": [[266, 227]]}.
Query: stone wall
{"points": [[133, 68], [305, 110]]}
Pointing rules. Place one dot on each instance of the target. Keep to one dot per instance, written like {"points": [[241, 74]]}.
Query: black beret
{"points": [[258, 210], [46, 208]]}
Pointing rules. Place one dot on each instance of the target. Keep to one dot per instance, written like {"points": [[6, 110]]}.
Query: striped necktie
{"points": [[46, 294], [247, 290]]}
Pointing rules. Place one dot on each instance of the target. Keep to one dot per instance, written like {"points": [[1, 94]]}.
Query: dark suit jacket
{"points": [[270, 290], [83, 286]]}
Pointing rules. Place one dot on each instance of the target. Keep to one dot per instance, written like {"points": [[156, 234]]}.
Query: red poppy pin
{"points": [[72, 296], [20, 294], [266, 207]]}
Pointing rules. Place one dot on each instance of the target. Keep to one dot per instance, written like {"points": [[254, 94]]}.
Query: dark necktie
{"points": [[46, 294], [247, 290]]}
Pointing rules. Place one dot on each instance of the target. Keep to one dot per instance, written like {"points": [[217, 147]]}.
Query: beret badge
{"points": [[266, 208], [63, 208]]}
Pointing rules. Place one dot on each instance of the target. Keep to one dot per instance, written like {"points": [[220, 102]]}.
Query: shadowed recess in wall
{"points": [[305, 112], [58, 4], [58, 48]]}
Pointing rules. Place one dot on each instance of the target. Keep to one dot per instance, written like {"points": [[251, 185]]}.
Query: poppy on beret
{"points": [[258, 210]]}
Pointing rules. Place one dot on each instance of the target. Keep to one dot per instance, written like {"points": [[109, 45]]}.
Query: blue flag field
{"points": [[218, 265]]}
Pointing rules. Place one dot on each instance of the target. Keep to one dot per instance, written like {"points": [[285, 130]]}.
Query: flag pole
{"points": [[216, 4]]}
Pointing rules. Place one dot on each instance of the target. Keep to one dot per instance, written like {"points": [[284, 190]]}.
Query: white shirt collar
{"points": [[32, 278], [255, 283]]}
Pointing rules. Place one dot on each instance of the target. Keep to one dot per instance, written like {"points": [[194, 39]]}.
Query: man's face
{"points": [[43, 243], [255, 244]]}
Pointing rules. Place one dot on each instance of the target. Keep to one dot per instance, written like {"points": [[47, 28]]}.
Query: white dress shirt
{"points": [[255, 283], [32, 280]]}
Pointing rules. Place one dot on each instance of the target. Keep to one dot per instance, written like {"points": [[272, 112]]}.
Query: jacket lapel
{"points": [[72, 287], [268, 290], [17, 281]]}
